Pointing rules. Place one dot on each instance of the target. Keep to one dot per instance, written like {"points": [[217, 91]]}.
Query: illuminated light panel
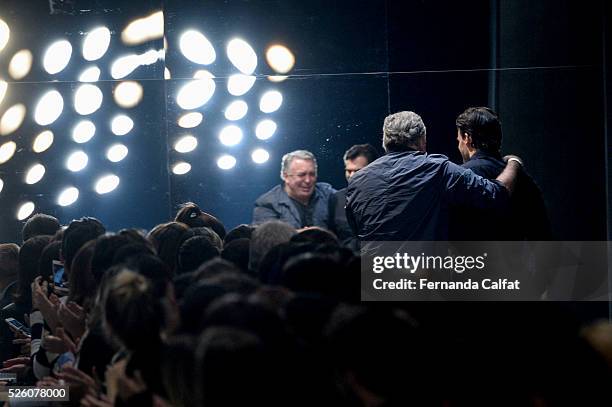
{"points": [[236, 110], [68, 196], [230, 135], [25, 210], [280, 58], [144, 29], [271, 101], [107, 184], [240, 84], [167, 74], [128, 94], [35, 174], [7, 150], [91, 74], [20, 64], [49, 108], [265, 129], [43, 141], [195, 93], [3, 89], [260, 156], [77, 161], [277, 78], [190, 120], [87, 99], [127, 64], [12, 119], [226, 162], [203, 74], [57, 56], [196, 48], [96, 43], [186, 144], [116, 152], [1, 184], [83, 131], [181, 168], [121, 125], [5, 34], [242, 56]]}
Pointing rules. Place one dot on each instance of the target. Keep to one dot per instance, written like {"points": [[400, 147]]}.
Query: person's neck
{"points": [[302, 201]]}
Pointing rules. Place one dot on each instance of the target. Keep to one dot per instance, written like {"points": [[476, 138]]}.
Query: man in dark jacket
{"points": [[300, 200], [406, 194], [479, 138]]}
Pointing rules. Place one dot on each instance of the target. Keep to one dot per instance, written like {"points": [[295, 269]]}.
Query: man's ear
{"points": [[468, 139]]}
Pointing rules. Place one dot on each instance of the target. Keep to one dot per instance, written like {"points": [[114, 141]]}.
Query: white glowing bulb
{"points": [[271, 101], [196, 47], [87, 99], [43, 141], [121, 125], [230, 135], [48, 108], [96, 43], [35, 174], [190, 120], [57, 56], [3, 89], [265, 129], [12, 119], [242, 56], [181, 168], [20, 64], [128, 94], [77, 161], [236, 110], [107, 184], [195, 93], [5, 34], [91, 74], [68, 196], [280, 58], [167, 74], [260, 156], [186, 144], [1, 184], [25, 210], [226, 162], [116, 152], [83, 131], [144, 29], [7, 150]]}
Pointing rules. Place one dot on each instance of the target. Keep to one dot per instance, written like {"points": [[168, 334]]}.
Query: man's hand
{"points": [[16, 365], [515, 158], [73, 318]]}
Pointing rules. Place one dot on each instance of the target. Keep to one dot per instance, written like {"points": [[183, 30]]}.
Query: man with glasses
{"points": [[300, 200]]}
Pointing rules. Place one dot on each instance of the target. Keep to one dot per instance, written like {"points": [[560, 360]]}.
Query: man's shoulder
{"points": [[325, 188], [273, 195]]}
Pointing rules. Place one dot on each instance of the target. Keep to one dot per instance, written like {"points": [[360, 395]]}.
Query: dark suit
{"points": [[339, 224]]}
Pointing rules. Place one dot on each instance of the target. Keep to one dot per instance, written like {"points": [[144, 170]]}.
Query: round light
{"points": [[116, 152], [25, 210], [1, 184], [190, 120], [186, 144], [91, 74], [196, 48], [77, 161], [43, 141], [49, 108], [271, 101], [265, 129], [107, 184], [226, 162], [195, 93], [3, 89], [128, 94], [230, 135], [167, 74], [144, 29], [12, 119], [240, 84], [96, 43], [124, 66], [5, 34], [6, 151], [121, 125], [236, 110], [20, 64], [68, 196], [83, 131], [260, 156], [35, 174], [280, 58], [57, 56], [242, 56], [87, 99], [202, 74], [277, 78], [181, 168]]}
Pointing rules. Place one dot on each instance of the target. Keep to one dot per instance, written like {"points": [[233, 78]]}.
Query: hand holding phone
{"points": [[17, 326]]}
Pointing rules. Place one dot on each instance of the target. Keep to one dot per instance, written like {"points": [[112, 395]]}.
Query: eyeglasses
{"points": [[302, 175]]}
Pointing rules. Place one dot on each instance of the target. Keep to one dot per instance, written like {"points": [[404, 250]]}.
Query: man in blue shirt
{"points": [[406, 194]]}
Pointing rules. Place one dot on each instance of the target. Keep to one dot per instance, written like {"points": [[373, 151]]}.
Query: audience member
{"points": [[40, 224]]}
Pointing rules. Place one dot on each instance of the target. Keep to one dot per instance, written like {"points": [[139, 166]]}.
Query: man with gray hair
{"points": [[300, 200], [406, 194]]}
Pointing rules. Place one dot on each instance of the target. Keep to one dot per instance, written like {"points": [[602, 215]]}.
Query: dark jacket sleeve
{"points": [[464, 187], [264, 212]]}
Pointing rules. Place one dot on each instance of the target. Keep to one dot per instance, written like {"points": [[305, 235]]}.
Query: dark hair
{"points": [[45, 265], [316, 235], [237, 252], [104, 253], [483, 125], [366, 150], [239, 232], [38, 225], [167, 238], [83, 286], [191, 215], [9, 260], [29, 256], [195, 251], [77, 234]]}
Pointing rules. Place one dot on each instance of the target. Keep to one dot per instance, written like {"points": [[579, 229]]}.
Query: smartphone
{"points": [[19, 326]]}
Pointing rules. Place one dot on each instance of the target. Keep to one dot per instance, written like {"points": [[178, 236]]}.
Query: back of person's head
{"points": [[194, 217], [132, 313], [226, 274], [178, 370], [239, 232], [206, 232], [104, 253], [40, 224], [312, 272], [316, 235], [271, 266], [195, 251], [167, 238], [50, 253], [154, 269], [9, 262], [266, 236], [483, 126], [403, 131], [364, 150], [237, 252], [83, 286], [29, 257], [78, 233]]}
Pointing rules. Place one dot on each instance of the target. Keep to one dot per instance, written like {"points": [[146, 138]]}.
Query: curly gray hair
{"points": [[300, 154], [402, 130]]}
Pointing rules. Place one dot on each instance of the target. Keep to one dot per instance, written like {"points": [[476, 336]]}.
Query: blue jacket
{"points": [[276, 205]]}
